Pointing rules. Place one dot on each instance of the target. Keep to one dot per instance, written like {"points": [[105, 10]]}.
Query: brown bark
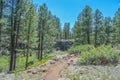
{"points": [[12, 39], [28, 42], [96, 36], [1, 14]]}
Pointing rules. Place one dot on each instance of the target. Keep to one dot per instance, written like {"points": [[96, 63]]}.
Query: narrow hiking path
{"points": [[53, 73], [51, 70]]}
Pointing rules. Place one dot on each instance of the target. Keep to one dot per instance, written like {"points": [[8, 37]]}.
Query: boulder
{"points": [[63, 79], [56, 59], [43, 65], [68, 63], [29, 71], [34, 72], [43, 70], [52, 62]]}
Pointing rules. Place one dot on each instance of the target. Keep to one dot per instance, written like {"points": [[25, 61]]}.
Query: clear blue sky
{"points": [[68, 10]]}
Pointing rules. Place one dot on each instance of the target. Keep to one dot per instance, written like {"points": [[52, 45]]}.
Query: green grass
{"points": [[20, 62], [4, 62], [33, 65]]}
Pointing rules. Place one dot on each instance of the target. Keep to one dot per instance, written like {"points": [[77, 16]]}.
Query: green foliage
{"points": [[4, 62], [98, 21], [78, 33], [80, 49], [40, 62], [45, 59], [82, 28], [66, 31], [20, 62], [102, 55], [33, 65], [49, 28]]}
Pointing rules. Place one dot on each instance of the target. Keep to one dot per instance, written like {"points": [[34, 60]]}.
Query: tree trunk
{"points": [[17, 24], [1, 14], [42, 40], [14, 42], [12, 39], [88, 34], [39, 45], [88, 37], [96, 36], [28, 42]]}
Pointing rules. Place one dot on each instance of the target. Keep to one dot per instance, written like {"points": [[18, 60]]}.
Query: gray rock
{"points": [[43, 70], [63, 79], [52, 62], [34, 72]]}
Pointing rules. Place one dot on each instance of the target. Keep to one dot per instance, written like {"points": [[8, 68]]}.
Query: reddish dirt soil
{"points": [[53, 72]]}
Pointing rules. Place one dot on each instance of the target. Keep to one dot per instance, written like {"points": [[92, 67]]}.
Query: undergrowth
{"points": [[80, 49], [102, 55], [20, 62]]}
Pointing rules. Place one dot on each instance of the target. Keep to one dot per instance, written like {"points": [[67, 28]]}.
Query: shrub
{"points": [[79, 49], [99, 56]]}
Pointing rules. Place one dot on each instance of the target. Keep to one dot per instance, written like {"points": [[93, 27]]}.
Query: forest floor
{"points": [[47, 71], [54, 72], [65, 67]]}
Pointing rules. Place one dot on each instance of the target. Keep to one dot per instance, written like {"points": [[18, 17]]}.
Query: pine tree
{"points": [[1, 15], [43, 16], [29, 30], [16, 11], [107, 28], [66, 31], [78, 33], [116, 24], [97, 23], [83, 27], [86, 17]]}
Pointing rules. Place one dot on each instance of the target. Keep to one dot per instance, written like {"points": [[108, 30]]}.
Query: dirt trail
{"points": [[53, 72]]}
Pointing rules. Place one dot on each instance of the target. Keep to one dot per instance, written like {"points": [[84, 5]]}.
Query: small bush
{"points": [[99, 56], [79, 49]]}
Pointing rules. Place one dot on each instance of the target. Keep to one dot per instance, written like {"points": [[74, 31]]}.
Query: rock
{"points": [[1, 74], [52, 62], [34, 72], [68, 63], [72, 55], [29, 71], [63, 79], [56, 59], [71, 61], [74, 64], [43, 70], [47, 64], [43, 65], [118, 67], [64, 57]]}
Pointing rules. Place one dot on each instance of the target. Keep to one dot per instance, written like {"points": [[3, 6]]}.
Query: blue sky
{"points": [[68, 10]]}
